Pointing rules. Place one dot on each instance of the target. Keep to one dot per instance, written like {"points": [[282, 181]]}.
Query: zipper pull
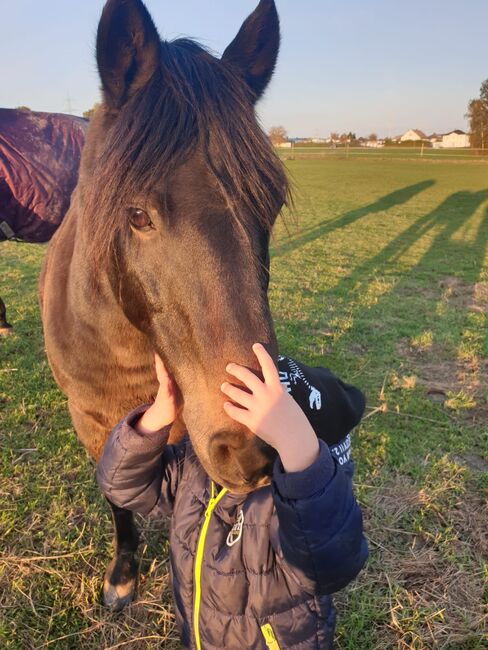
{"points": [[210, 507]]}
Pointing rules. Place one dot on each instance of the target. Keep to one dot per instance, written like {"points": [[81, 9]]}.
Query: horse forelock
{"points": [[193, 101]]}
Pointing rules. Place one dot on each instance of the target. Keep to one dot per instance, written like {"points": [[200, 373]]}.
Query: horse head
{"points": [[181, 188]]}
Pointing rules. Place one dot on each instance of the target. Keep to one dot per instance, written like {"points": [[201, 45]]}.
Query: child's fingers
{"points": [[237, 395], [237, 413], [160, 367], [268, 367], [247, 377]]}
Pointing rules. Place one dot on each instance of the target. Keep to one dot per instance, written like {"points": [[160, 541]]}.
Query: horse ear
{"points": [[128, 49], [255, 48]]}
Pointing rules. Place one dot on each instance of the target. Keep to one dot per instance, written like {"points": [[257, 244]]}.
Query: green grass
{"points": [[383, 278]]}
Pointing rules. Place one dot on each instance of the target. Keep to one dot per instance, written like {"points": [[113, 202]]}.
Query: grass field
{"points": [[383, 278]]}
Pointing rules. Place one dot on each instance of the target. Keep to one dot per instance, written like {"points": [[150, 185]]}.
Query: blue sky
{"points": [[360, 65]]}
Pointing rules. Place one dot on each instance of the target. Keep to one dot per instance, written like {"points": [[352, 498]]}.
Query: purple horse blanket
{"points": [[39, 161]]}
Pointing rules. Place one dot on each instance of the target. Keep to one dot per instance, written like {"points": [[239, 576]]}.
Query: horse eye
{"points": [[140, 219]]}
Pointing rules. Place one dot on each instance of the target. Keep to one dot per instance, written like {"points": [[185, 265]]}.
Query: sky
{"points": [[365, 66]]}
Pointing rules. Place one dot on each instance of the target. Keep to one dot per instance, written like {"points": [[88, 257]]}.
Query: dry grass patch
{"points": [[67, 586], [427, 548]]}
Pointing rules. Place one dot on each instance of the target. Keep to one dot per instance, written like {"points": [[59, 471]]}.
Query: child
{"points": [[251, 571]]}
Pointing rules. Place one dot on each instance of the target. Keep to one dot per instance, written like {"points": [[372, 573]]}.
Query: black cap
{"points": [[332, 407]]}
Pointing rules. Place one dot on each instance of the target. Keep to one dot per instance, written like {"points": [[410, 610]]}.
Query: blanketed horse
{"points": [[165, 246], [39, 161]]}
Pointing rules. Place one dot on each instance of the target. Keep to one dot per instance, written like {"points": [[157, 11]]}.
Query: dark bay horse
{"points": [[165, 245]]}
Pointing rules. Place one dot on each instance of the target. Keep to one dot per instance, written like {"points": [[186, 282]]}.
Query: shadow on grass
{"points": [[329, 225], [408, 308], [450, 216]]}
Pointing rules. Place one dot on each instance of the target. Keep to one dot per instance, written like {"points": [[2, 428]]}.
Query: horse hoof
{"points": [[119, 585], [5, 331], [116, 597]]}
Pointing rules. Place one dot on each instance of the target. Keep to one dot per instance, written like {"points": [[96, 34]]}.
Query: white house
{"points": [[374, 144], [413, 134], [455, 139]]}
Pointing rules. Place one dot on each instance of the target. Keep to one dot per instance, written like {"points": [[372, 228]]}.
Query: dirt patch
{"points": [[412, 290], [462, 295], [474, 462], [458, 384]]}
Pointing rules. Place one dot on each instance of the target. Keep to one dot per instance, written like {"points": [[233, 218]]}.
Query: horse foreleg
{"points": [[4, 326], [119, 585]]}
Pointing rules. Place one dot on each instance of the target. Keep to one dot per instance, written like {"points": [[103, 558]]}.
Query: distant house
{"points": [[374, 144], [455, 139], [284, 145], [436, 140], [413, 135]]}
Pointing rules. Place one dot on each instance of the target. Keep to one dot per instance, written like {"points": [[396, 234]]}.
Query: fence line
{"points": [[304, 152]]}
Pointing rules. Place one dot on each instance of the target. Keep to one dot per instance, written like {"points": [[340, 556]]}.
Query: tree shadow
{"points": [[448, 267], [329, 225], [450, 215]]}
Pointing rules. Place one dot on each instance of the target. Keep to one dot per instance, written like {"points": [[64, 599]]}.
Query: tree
{"points": [[278, 134], [478, 123], [484, 92], [373, 137], [23, 108], [477, 115], [90, 112], [334, 136]]}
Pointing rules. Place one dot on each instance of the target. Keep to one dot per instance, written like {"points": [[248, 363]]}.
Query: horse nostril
{"points": [[224, 446], [221, 454], [238, 460]]}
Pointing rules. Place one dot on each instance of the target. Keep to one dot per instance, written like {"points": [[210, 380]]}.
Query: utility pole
{"points": [[69, 104]]}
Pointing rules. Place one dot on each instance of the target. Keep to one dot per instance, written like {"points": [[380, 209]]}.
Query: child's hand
{"points": [[271, 413], [163, 411]]}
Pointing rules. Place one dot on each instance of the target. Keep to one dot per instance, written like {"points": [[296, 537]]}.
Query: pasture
{"points": [[381, 275]]}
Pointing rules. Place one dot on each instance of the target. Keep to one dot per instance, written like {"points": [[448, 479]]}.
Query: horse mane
{"points": [[192, 100]]}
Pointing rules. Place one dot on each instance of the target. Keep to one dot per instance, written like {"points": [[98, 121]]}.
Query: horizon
{"points": [[406, 75]]}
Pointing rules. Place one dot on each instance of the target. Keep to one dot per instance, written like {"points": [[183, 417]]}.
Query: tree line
{"points": [[278, 135]]}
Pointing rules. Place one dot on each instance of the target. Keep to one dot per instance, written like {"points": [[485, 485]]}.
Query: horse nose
{"points": [[238, 460]]}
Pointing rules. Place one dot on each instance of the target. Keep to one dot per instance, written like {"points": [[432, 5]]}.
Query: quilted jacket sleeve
{"points": [[320, 523], [139, 472]]}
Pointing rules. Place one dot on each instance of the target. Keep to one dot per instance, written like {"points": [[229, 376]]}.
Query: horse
{"points": [[165, 247], [39, 160]]}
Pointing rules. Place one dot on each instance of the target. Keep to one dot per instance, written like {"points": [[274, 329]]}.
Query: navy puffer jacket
{"points": [[252, 571]]}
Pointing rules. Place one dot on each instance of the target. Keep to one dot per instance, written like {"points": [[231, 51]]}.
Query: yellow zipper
{"points": [[269, 637], [199, 559]]}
